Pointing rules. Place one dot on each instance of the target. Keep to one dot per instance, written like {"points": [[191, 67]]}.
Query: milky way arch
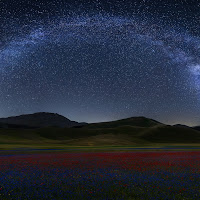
{"points": [[100, 51]]}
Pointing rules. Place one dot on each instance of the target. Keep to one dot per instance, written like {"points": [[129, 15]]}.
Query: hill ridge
{"points": [[40, 119]]}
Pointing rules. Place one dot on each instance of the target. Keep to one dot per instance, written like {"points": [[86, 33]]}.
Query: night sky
{"points": [[99, 60]]}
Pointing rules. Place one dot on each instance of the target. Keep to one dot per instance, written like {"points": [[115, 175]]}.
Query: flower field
{"points": [[113, 175]]}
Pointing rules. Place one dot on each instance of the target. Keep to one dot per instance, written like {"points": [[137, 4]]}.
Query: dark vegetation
{"points": [[41, 128]]}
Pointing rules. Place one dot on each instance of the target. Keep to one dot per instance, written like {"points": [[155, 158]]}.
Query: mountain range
{"points": [[55, 129], [38, 120]]}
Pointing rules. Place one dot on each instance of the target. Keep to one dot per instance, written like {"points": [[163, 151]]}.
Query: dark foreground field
{"points": [[100, 175]]}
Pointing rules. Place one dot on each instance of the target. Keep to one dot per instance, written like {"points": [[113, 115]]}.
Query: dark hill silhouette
{"points": [[15, 126], [54, 129], [132, 121], [38, 120], [171, 134], [181, 126], [197, 128]]}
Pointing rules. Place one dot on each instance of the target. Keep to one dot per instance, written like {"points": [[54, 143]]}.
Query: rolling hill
{"points": [[38, 120], [132, 121], [62, 131], [197, 128]]}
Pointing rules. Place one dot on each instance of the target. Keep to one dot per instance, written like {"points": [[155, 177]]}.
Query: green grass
{"points": [[132, 132], [133, 121]]}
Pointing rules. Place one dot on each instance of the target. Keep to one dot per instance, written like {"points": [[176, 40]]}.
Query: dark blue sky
{"points": [[101, 60]]}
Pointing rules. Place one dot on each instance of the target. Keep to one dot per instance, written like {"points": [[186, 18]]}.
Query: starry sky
{"points": [[101, 60]]}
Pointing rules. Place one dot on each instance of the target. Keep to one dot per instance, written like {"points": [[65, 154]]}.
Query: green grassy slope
{"points": [[133, 121], [171, 134], [128, 132]]}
